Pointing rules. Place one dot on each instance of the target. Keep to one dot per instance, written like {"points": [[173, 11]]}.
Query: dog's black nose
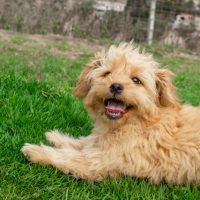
{"points": [[116, 88]]}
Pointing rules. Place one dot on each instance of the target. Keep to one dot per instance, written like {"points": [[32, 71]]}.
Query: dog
{"points": [[140, 129]]}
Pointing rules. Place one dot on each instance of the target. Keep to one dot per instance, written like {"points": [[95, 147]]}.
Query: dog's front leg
{"points": [[61, 140], [82, 165]]}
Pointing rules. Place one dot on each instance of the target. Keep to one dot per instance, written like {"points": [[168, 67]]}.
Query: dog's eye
{"points": [[106, 74], [136, 80]]}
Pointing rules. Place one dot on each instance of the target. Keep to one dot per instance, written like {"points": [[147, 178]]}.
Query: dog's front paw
{"points": [[57, 139], [33, 152], [54, 138]]}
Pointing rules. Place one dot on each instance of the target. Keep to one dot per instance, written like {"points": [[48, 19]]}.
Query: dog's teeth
{"points": [[114, 114]]}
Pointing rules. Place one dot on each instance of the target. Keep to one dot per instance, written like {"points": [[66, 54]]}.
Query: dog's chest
{"points": [[128, 137]]}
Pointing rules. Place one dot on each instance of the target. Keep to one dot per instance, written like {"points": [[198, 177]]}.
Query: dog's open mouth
{"points": [[115, 108]]}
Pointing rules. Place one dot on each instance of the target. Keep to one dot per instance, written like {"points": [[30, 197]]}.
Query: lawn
{"points": [[37, 76]]}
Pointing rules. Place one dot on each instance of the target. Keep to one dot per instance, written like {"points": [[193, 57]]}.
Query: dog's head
{"points": [[122, 83]]}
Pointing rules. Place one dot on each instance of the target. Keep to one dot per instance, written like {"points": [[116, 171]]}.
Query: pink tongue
{"points": [[115, 106]]}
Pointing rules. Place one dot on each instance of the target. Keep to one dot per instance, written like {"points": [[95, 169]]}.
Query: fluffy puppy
{"points": [[141, 130]]}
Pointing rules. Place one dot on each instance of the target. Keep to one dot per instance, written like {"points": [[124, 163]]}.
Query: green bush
{"points": [[18, 22]]}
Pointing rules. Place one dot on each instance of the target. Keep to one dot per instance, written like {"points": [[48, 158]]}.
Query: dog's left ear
{"points": [[84, 83], [165, 88]]}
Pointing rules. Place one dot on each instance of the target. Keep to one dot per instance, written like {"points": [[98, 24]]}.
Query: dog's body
{"points": [[140, 130]]}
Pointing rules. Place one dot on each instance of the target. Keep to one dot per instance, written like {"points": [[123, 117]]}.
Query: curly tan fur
{"points": [[157, 138]]}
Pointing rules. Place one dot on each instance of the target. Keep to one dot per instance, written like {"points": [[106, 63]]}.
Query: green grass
{"points": [[60, 45], [18, 39], [36, 96]]}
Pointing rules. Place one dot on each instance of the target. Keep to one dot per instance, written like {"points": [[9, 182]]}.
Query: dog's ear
{"points": [[84, 83], [165, 88]]}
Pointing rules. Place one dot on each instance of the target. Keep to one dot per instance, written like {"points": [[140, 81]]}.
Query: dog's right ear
{"points": [[84, 83]]}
